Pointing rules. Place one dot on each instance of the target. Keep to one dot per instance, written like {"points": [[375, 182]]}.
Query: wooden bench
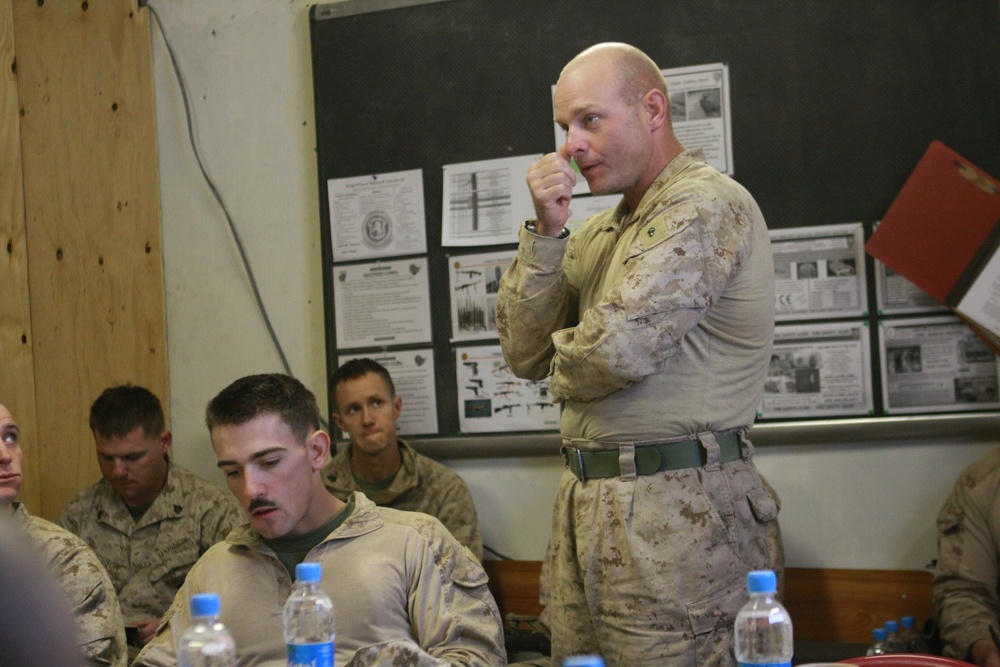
{"points": [[827, 605]]}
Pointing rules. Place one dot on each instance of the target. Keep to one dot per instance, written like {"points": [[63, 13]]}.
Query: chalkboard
{"points": [[833, 103]]}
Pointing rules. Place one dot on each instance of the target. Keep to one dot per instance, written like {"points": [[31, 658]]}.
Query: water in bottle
{"points": [[912, 639], [309, 629], [763, 630], [206, 643], [893, 642], [878, 646]]}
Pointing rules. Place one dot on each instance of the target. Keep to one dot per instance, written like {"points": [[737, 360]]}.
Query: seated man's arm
{"points": [[159, 651], [94, 606], [452, 611], [965, 581]]}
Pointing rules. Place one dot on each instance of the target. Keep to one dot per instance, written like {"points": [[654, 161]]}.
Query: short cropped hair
{"points": [[357, 368], [270, 393], [120, 410]]}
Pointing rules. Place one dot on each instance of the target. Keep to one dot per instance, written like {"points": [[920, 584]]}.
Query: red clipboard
{"points": [[943, 225]]}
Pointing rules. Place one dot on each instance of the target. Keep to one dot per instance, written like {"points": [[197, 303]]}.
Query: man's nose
{"points": [[118, 468], [574, 142], [5, 455], [252, 486]]}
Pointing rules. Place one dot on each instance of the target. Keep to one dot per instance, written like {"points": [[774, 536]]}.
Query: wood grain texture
{"points": [[829, 605], [17, 380], [92, 212]]}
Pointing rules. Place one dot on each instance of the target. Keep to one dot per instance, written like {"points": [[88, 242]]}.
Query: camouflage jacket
{"points": [[392, 576], [88, 589], [148, 559], [421, 485], [653, 324], [967, 577]]}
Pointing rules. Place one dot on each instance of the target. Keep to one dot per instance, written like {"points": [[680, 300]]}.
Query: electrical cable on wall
{"points": [[229, 219], [218, 198]]}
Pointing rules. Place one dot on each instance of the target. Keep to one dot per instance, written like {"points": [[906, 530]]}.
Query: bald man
{"points": [[75, 568], [655, 322]]}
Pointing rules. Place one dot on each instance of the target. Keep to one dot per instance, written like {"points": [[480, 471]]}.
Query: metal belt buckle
{"points": [[579, 461]]}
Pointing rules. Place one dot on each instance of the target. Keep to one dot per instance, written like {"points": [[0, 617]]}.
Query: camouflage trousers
{"points": [[652, 571]]}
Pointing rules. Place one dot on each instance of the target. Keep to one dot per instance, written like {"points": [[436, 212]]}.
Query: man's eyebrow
{"points": [[9, 428], [256, 455]]}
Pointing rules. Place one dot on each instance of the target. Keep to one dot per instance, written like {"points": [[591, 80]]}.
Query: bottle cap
{"points": [[908, 622], [584, 661], [878, 634], [308, 573], [762, 581], [892, 626], [205, 604]]}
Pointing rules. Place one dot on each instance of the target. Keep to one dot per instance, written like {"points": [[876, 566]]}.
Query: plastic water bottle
{"points": [[309, 630], [583, 661], [912, 639], [206, 643], [878, 646], [763, 630], [893, 642]]}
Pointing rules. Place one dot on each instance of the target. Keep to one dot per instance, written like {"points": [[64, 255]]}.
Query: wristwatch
{"points": [[530, 226]]}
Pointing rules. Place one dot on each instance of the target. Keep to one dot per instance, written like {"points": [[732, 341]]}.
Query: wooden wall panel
{"points": [[17, 381], [826, 605], [91, 193]]}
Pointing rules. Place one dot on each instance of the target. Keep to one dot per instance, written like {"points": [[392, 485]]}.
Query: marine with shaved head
{"points": [[654, 322]]}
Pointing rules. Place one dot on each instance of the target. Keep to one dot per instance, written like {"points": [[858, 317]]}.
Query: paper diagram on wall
{"points": [[485, 202], [819, 271], [381, 304], [377, 215], [936, 364], [819, 370], [475, 280], [492, 400]]}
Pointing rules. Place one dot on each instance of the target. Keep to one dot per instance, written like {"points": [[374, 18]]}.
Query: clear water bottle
{"points": [[878, 646], [309, 629], [583, 661], [912, 639], [206, 643], [763, 630], [893, 642]]}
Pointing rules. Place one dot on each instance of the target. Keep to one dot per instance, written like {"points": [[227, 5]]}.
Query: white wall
{"points": [[248, 70]]}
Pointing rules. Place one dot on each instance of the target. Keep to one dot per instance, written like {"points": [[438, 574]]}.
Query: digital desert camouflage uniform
{"points": [[967, 575], [148, 559], [391, 574], [655, 327], [421, 485], [88, 589]]}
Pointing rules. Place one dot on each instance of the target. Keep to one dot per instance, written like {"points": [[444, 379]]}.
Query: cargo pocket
{"points": [[711, 620]]}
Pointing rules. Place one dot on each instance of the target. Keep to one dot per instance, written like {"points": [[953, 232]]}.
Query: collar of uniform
{"points": [[680, 162], [340, 479], [20, 515], [364, 519], [407, 478], [169, 504]]}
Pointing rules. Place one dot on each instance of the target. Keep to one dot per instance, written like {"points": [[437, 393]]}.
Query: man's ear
{"points": [[656, 107], [318, 446], [337, 420]]}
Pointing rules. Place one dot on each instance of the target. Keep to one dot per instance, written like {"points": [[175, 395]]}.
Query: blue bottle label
{"points": [[310, 655]]}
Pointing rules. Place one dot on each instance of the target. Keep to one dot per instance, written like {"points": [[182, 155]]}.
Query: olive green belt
{"points": [[649, 459]]}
